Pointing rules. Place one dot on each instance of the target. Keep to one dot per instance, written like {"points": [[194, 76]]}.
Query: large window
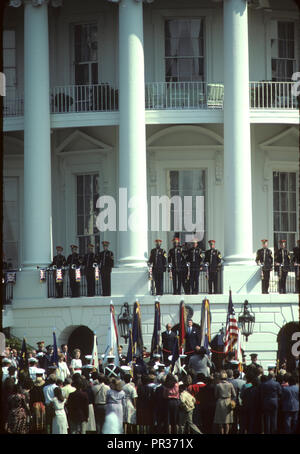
{"points": [[283, 51], [188, 183], [87, 195], [184, 50], [11, 220], [86, 54], [284, 208]]}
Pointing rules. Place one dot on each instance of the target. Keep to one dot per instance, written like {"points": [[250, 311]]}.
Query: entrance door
{"points": [[82, 338]]}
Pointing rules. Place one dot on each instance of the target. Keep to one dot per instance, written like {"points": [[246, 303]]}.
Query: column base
{"points": [[132, 262], [241, 279], [130, 282], [238, 260]]}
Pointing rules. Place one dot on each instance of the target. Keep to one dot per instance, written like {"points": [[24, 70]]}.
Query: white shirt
{"points": [[63, 371], [49, 393], [76, 364], [32, 372]]}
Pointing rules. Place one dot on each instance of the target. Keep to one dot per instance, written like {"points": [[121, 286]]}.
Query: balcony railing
{"points": [[159, 96], [185, 288], [8, 283], [67, 292]]}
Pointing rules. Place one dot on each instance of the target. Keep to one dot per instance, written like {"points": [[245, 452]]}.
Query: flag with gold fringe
{"points": [[205, 324]]}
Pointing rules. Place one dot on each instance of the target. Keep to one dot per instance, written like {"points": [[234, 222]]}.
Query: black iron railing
{"points": [[53, 290]]}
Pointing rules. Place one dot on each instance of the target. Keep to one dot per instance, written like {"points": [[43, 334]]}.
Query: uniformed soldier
{"points": [[158, 262], [282, 262], [213, 261], [186, 282], [59, 262], [33, 363], [74, 261], [111, 370], [176, 262], [296, 263], [89, 262], [265, 259], [106, 263], [195, 260]]}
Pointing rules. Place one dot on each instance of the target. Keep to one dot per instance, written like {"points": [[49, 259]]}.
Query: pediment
{"points": [[287, 139], [185, 135], [79, 141]]}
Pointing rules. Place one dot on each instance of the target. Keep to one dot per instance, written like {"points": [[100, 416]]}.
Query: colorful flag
{"points": [[112, 344], [54, 356], [135, 346], [205, 324], [155, 343], [23, 356], [238, 353], [232, 329], [182, 326], [95, 362]]}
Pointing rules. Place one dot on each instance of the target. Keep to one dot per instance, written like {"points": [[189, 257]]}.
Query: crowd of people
{"points": [[146, 396]]}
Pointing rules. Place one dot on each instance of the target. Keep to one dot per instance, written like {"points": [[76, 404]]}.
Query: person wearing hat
{"points": [[33, 363], [59, 262], [264, 258], [41, 347], [6, 362], [111, 370], [42, 360], [106, 262], [176, 263], [37, 406], [158, 262], [74, 261], [296, 263], [282, 262], [194, 260], [213, 260], [89, 260]]}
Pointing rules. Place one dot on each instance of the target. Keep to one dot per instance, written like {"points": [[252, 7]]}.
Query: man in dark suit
{"points": [[192, 338], [168, 338], [65, 352], [270, 393], [265, 260]]}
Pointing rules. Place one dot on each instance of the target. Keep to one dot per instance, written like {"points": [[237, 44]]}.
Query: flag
{"points": [[95, 362], [155, 343], [232, 329], [23, 356], [54, 356], [238, 352], [112, 343], [182, 326], [205, 324], [135, 346]]}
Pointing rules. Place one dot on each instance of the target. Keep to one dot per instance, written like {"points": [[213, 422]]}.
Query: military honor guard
{"points": [[106, 263], [282, 262], [296, 263], [74, 263], [111, 370], [176, 264], [264, 258], [158, 265], [90, 262], [194, 260], [213, 260], [186, 272], [58, 264]]}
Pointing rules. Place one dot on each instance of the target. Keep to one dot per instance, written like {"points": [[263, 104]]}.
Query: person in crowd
{"points": [[192, 337], [290, 405], [67, 389], [115, 401], [224, 393], [168, 339], [187, 405], [59, 423], [78, 408], [196, 390], [145, 405], [171, 394], [199, 363], [249, 409], [18, 412], [65, 351], [62, 370], [37, 407], [130, 405], [99, 389], [87, 388], [6, 391], [76, 363], [270, 393], [48, 391]]}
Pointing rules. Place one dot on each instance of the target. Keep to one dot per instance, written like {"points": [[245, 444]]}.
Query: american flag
{"points": [[232, 330]]}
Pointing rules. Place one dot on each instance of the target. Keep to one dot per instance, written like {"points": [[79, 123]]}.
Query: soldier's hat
{"points": [[40, 354], [253, 355], [90, 245], [176, 239], [59, 248], [110, 357], [195, 240], [32, 360], [6, 360], [264, 241], [211, 241], [282, 241], [73, 246], [158, 241], [105, 243], [40, 342]]}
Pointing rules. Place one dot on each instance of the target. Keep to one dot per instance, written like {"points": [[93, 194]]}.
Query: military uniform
{"points": [[296, 263], [186, 282], [158, 261], [213, 260], [265, 259], [112, 371], [74, 260], [59, 261], [106, 262], [195, 260], [282, 261], [176, 261], [88, 262]]}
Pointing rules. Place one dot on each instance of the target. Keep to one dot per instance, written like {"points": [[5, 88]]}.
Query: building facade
{"points": [[130, 100]]}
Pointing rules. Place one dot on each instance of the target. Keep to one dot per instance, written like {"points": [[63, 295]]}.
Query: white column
{"points": [[37, 149], [237, 147], [133, 245]]}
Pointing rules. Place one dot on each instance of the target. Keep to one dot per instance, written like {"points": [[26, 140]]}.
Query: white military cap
{"points": [[32, 360], [40, 371], [88, 356], [125, 368]]}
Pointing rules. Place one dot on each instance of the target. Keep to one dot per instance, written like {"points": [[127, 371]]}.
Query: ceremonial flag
{"points": [[182, 326], [112, 344], [54, 356], [23, 356], [238, 353], [155, 343], [135, 346], [95, 362], [232, 329], [205, 324]]}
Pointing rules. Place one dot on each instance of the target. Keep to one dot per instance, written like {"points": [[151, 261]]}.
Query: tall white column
{"points": [[237, 147], [133, 235], [37, 149]]}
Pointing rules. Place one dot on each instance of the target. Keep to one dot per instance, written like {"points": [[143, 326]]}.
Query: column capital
{"points": [[17, 3]]}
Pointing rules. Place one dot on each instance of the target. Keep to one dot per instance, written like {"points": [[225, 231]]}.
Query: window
{"points": [[184, 50], [188, 183], [9, 61], [86, 54], [87, 195], [11, 220], [284, 208], [283, 51]]}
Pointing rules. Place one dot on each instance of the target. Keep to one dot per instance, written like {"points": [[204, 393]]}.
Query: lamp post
{"points": [[246, 320], [124, 321]]}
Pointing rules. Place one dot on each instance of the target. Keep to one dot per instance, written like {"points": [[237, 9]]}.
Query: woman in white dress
{"points": [[62, 371], [130, 405], [59, 422], [76, 363]]}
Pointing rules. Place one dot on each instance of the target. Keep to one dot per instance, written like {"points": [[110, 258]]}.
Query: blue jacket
{"points": [[290, 398], [270, 392]]}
